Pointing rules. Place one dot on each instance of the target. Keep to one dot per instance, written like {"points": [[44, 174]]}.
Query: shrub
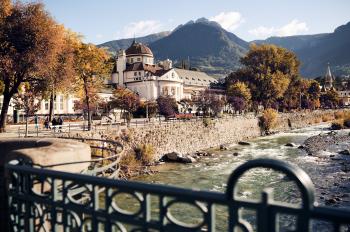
{"points": [[129, 162], [207, 122], [339, 114], [145, 153], [317, 120], [326, 118], [336, 125], [267, 120]]}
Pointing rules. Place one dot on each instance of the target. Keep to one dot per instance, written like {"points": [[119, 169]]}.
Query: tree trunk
{"points": [[26, 135], [51, 110], [4, 110], [87, 99]]}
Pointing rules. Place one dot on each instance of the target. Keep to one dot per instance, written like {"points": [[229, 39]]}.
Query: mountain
{"points": [[315, 51], [115, 45], [205, 44], [216, 51]]}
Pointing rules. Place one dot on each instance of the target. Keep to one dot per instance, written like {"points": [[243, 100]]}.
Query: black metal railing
{"points": [[44, 200]]}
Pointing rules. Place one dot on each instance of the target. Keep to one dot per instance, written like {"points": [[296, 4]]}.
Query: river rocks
{"points": [[186, 159], [172, 156], [177, 157], [301, 147], [223, 147], [345, 152], [203, 153], [290, 145], [235, 154], [243, 143]]}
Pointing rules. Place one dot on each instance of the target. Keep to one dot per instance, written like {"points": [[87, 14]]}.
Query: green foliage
{"points": [[268, 120]]}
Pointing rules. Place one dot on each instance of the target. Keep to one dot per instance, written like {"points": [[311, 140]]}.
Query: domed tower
{"points": [[139, 52], [328, 79]]}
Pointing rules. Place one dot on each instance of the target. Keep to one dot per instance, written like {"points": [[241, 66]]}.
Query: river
{"points": [[211, 173]]}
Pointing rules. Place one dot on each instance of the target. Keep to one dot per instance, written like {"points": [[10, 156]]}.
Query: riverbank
{"points": [[331, 152]]}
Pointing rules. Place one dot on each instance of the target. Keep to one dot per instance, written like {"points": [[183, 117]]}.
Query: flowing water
{"points": [[211, 173]]}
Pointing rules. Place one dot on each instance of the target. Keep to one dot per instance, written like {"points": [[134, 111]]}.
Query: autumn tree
{"points": [[62, 75], [167, 106], [267, 70], [238, 96], [29, 39], [330, 99], [92, 65], [209, 102], [126, 100], [28, 99]]}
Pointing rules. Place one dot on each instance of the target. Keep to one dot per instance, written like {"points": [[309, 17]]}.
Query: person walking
{"points": [[60, 123], [54, 124], [46, 123]]}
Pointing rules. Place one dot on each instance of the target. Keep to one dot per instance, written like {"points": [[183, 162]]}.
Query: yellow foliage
{"points": [[145, 153], [268, 120]]}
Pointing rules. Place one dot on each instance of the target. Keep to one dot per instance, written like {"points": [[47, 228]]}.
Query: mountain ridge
{"points": [[212, 49]]}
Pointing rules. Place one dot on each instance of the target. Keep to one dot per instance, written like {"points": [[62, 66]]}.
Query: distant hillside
{"points": [[206, 44], [315, 51], [216, 51], [116, 45]]}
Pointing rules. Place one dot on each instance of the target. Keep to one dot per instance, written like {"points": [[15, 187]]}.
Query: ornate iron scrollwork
{"points": [[46, 200]]}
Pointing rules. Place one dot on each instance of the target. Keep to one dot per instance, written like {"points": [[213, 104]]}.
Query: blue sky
{"points": [[103, 20]]}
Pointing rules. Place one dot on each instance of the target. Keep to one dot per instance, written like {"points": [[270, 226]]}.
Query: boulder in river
{"points": [[177, 157], [223, 147], [235, 154], [344, 152], [290, 145], [172, 156], [243, 143]]}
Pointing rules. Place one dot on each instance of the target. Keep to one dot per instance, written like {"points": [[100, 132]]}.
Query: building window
{"points": [[135, 74], [61, 102], [140, 73], [172, 75], [138, 59], [46, 105], [132, 60]]}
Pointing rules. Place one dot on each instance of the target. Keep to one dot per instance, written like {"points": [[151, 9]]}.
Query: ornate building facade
{"points": [[136, 70]]}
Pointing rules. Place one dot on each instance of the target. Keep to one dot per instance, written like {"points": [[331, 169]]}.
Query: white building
{"points": [[136, 70]]}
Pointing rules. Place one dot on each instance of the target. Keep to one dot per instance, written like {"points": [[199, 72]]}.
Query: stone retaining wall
{"points": [[187, 137]]}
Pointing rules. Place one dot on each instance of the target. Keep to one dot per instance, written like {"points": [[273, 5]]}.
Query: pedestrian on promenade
{"points": [[54, 124], [60, 123], [46, 123]]}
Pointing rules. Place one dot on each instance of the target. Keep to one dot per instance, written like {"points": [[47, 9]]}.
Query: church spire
{"points": [[328, 73], [328, 78]]}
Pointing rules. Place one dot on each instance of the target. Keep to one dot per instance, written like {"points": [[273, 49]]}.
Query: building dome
{"points": [[138, 49]]}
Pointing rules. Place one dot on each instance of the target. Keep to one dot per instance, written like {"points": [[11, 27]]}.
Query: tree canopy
{"points": [[26, 31], [267, 71]]}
